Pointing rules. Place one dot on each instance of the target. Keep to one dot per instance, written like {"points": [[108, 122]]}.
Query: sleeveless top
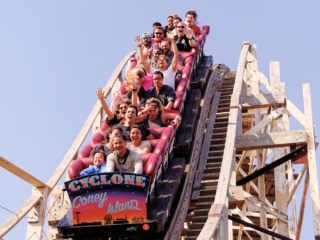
{"points": [[154, 123]]}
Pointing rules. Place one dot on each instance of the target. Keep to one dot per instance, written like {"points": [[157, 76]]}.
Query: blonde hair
{"points": [[135, 73]]}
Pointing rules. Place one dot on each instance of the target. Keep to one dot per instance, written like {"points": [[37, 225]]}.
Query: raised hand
{"points": [[99, 93], [170, 35], [189, 34], [138, 40]]}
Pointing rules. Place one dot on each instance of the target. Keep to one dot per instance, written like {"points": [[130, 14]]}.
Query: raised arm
{"points": [[175, 60], [134, 93], [141, 55], [105, 107]]}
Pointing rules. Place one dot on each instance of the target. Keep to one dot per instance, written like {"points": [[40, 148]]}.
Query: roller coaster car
{"points": [[119, 203], [108, 202]]}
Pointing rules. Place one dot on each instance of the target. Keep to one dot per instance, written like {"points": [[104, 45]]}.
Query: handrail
{"points": [[71, 153], [218, 210]]}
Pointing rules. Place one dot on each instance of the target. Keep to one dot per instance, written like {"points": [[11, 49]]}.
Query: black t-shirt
{"points": [[165, 95], [115, 120], [142, 94], [183, 43]]}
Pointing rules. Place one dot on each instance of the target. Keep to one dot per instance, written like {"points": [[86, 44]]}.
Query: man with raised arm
{"points": [[168, 71], [185, 41], [122, 159], [165, 45]]}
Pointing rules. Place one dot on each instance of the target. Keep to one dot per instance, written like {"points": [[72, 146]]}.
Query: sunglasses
{"points": [[148, 37], [180, 26], [158, 33], [123, 107]]}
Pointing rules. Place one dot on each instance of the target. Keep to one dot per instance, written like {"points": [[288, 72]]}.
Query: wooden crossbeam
{"points": [[263, 100], [292, 109], [19, 214], [271, 210], [263, 123], [21, 173], [270, 140]]}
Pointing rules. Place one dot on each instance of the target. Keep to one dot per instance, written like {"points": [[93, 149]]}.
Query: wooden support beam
{"points": [[37, 215], [293, 190], [263, 100], [263, 123], [314, 187], [270, 140], [280, 171], [244, 207], [285, 120], [235, 98], [19, 214], [269, 209], [21, 173], [264, 80], [295, 112], [302, 205], [235, 196]]}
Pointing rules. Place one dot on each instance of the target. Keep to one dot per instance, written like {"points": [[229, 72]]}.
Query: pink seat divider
{"points": [[159, 152], [187, 72], [97, 138], [85, 152], [205, 29], [187, 54]]}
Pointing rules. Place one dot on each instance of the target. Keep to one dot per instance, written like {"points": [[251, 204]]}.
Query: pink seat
{"points": [[159, 151], [78, 165]]}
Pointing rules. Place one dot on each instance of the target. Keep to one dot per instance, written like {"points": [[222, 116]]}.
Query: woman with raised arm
{"points": [[169, 72], [136, 93], [113, 118]]}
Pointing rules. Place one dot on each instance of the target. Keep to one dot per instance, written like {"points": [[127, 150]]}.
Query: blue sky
{"points": [[54, 54]]}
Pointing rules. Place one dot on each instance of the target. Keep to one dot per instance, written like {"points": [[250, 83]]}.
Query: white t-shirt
{"points": [[140, 148], [169, 76]]}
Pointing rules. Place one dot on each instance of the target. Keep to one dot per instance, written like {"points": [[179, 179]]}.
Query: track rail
{"points": [[214, 80]]}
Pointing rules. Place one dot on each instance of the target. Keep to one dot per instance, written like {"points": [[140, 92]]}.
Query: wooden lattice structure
{"points": [[259, 138]]}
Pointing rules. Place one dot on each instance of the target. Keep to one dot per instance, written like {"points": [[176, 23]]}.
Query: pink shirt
{"points": [[148, 83]]}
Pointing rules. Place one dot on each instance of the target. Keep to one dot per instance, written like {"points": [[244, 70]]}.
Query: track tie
{"points": [[220, 130], [209, 182], [216, 147]]}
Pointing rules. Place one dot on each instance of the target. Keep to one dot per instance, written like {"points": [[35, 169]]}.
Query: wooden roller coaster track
{"points": [[240, 182]]}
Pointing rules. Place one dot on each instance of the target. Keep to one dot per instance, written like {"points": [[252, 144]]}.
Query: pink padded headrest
{"points": [[156, 132], [78, 165], [85, 152], [187, 54]]}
